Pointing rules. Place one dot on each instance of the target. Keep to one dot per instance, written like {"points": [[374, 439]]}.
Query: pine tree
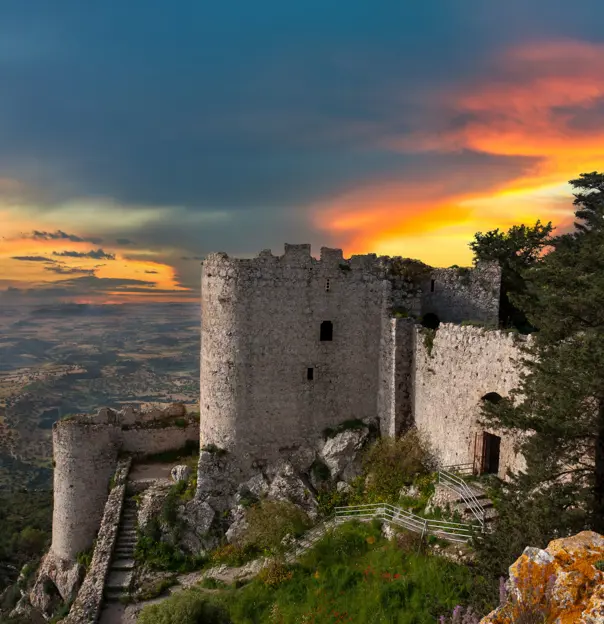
{"points": [[516, 250], [559, 406]]}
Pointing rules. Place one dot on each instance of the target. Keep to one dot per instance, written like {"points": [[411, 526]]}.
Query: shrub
{"points": [[212, 583], [275, 573], [599, 565], [270, 521], [392, 463], [185, 607], [233, 554], [85, 558], [156, 588]]}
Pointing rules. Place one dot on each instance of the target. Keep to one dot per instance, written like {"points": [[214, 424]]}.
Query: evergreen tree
{"points": [[516, 250], [559, 407]]}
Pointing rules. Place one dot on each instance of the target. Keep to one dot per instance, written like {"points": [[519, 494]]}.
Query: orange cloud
{"points": [[543, 102]]}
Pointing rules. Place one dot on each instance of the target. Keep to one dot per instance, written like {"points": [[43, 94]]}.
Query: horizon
{"points": [[399, 131]]}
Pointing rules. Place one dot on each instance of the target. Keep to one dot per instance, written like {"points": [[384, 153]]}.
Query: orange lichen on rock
{"points": [[558, 585]]}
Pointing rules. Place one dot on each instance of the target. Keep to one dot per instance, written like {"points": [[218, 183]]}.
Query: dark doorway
{"points": [[430, 320], [490, 453], [326, 330]]}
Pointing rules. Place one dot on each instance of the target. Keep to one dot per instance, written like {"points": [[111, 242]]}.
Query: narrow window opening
{"points": [[432, 284], [310, 374], [327, 286], [326, 331], [492, 397]]}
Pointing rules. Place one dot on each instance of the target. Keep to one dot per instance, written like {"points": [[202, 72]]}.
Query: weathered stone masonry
{"points": [[270, 384]]}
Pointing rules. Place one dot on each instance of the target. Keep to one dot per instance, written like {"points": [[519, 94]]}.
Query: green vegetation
{"points": [[599, 565], [483, 324], [388, 465], [559, 404], [25, 524], [155, 588], [516, 251], [352, 575]]}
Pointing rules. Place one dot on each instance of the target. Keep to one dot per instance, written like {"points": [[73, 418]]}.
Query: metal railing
{"points": [[452, 531], [459, 486], [468, 469]]}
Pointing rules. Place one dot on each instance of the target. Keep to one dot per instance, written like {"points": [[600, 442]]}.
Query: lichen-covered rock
{"points": [[340, 452], [343, 487], [563, 579], [180, 473], [287, 485], [256, 485]]}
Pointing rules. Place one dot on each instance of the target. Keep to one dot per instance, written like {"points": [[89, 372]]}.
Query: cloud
{"points": [[192, 258], [33, 258], [152, 272], [62, 270], [60, 235], [99, 254], [123, 241]]}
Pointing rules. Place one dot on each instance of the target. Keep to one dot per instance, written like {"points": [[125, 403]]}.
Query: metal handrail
{"points": [[454, 531], [459, 486]]}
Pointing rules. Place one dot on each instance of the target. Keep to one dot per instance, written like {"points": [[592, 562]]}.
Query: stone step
{"points": [[118, 580], [122, 563], [113, 595]]}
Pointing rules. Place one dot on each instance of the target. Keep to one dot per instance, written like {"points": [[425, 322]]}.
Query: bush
{"points": [[275, 573], [392, 463], [233, 555], [185, 607], [269, 521], [156, 588]]}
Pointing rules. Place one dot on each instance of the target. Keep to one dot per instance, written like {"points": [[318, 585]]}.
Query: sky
{"points": [[136, 137]]}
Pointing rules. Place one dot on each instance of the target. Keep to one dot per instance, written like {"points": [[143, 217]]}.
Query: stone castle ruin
{"points": [[292, 346]]}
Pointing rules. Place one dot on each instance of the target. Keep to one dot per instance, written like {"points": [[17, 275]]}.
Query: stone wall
{"points": [[463, 294], [85, 453], [148, 441], [466, 363], [261, 334], [395, 392], [84, 457], [87, 605]]}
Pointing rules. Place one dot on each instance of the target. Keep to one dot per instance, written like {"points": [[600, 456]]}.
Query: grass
{"points": [[352, 575]]}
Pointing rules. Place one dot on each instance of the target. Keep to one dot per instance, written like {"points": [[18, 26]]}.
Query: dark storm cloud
{"points": [[123, 241], [60, 235], [99, 254], [32, 258]]}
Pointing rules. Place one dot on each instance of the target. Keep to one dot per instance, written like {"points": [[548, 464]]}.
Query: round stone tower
{"points": [[85, 456], [219, 351]]}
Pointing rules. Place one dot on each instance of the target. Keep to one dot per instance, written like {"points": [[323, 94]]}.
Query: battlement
{"points": [[294, 257]]}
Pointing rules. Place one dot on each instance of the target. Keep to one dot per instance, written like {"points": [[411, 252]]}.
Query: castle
{"points": [[291, 346]]}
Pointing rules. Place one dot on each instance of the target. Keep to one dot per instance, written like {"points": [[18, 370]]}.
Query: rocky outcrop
{"points": [[289, 486], [57, 578], [561, 582], [151, 503], [341, 453], [197, 518]]}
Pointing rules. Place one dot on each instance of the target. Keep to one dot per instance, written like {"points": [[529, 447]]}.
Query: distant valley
{"points": [[63, 359]]}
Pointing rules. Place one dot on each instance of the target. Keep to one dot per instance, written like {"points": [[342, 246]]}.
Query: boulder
{"points": [[256, 485], [340, 453], [287, 485], [197, 517], [565, 573], [180, 473], [343, 487], [238, 525], [151, 503]]}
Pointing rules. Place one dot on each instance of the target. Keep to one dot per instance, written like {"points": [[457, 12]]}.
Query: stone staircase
{"points": [[485, 504], [122, 564]]}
